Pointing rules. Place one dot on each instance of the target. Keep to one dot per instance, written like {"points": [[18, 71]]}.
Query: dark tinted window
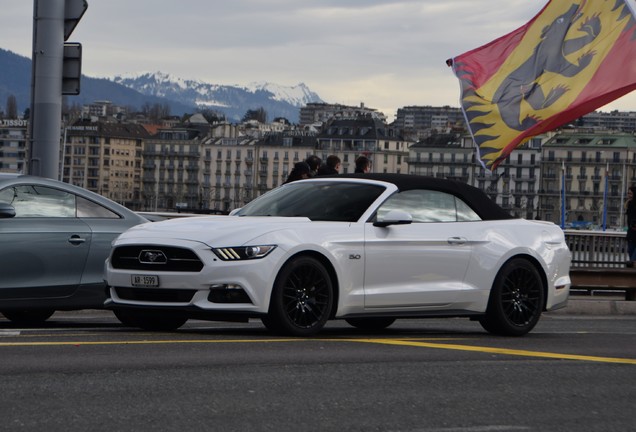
{"points": [[320, 201]]}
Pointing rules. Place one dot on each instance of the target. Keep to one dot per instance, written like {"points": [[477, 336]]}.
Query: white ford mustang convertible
{"points": [[368, 249]]}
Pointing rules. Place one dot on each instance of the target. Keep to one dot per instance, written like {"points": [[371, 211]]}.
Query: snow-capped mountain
{"points": [[233, 101], [298, 95]]}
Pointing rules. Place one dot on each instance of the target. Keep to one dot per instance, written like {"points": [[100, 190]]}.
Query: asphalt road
{"points": [[85, 372]]}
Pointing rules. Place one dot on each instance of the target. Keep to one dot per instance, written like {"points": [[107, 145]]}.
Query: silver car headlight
{"points": [[239, 253]]}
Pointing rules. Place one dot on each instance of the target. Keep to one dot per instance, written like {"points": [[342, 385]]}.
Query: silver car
{"points": [[54, 239]]}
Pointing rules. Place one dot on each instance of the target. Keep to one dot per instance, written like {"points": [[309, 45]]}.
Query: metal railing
{"points": [[597, 248]]}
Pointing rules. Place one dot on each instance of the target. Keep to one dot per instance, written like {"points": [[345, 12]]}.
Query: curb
{"points": [[596, 306]]}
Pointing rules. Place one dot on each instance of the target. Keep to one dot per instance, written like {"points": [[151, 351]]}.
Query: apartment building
{"points": [[513, 185], [324, 112], [596, 170], [449, 156], [418, 122], [277, 153], [13, 145], [367, 136], [623, 121], [171, 170], [105, 158]]}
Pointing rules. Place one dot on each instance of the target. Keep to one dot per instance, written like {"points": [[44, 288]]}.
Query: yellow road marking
{"points": [[148, 342], [503, 351], [398, 342]]}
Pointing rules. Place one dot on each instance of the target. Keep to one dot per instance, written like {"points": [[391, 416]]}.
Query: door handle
{"points": [[76, 240], [457, 240]]}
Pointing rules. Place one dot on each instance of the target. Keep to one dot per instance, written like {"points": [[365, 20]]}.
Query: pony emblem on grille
{"points": [[152, 257]]}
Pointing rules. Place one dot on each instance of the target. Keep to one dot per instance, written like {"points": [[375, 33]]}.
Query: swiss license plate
{"points": [[146, 281]]}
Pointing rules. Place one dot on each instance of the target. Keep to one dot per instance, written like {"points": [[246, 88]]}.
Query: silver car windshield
{"points": [[318, 201]]}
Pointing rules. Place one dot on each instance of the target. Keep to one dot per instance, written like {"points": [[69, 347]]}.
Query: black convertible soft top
{"points": [[477, 199]]}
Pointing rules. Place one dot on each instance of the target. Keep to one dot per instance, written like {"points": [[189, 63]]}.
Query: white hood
{"points": [[212, 230]]}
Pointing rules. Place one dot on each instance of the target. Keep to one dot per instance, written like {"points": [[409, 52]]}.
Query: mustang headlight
{"points": [[243, 252]]}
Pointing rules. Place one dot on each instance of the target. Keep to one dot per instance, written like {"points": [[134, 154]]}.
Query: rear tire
{"points": [[302, 298], [28, 317], [516, 299]]}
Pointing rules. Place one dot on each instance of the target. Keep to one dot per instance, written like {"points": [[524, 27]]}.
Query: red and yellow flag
{"points": [[570, 59]]}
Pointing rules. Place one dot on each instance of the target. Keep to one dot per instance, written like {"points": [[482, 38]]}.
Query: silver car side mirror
{"points": [[394, 217], [6, 211]]}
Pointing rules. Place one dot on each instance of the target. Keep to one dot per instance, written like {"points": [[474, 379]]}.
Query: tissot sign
{"points": [[14, 123]]}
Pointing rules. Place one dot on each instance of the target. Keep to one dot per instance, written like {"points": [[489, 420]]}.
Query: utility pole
{"points": [[56, 70]]}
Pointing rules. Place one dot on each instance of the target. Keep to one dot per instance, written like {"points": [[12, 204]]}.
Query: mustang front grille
{"points": [[156, 259]]}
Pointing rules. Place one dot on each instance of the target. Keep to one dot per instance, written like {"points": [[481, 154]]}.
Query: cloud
{"points": [[385, 53]]}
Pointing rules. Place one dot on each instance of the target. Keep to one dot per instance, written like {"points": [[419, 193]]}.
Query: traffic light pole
{"points": [[55, 71], [46, 87]]}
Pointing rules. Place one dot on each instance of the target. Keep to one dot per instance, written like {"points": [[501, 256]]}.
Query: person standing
{"points": [[300, 171], [363, 164], [314, 163], [331, 167], [630, 211]]}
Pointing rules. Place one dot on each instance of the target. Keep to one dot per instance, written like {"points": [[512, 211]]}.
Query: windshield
{"points": [[319, 201]]}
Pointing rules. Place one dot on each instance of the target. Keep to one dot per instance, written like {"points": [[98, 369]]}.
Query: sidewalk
{"points": [[580, 304]]}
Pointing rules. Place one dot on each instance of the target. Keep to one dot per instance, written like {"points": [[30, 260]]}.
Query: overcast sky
{"points": [[385, 53]]}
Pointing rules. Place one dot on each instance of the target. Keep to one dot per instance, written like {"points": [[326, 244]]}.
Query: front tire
{"points": [[302, 298], [516, 299], [28, 317]]}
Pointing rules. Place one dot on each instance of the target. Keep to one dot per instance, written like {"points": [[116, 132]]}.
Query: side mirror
{"points": [[6, 210], [394, 217]]}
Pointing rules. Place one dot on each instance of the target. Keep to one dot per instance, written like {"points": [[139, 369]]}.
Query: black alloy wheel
{"points": [[516, 299], [302, 298]]}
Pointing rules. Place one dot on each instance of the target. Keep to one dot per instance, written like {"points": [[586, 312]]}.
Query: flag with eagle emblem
{"points": [[570, 59]]}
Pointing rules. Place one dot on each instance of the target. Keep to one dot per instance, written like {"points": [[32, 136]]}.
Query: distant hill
{"points": [[183, 96], [15, 78]]}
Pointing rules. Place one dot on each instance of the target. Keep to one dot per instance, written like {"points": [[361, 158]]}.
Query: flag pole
{"points": [[562, 195], [605, 198]]}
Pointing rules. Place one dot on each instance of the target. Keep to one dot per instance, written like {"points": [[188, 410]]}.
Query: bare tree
{"points": [[258, 114], [211, 115], [156, 111], [71, 113]]}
